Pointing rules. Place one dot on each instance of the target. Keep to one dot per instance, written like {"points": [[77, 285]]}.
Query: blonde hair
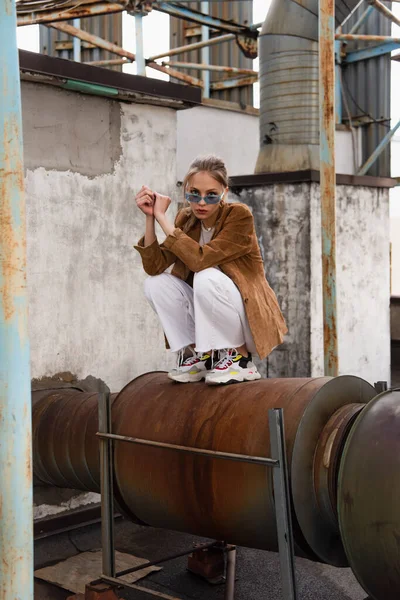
{"points": [[211, 164]]}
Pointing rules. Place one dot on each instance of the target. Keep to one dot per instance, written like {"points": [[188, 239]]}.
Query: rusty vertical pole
{"points": [[328, 180], [16, 535]]}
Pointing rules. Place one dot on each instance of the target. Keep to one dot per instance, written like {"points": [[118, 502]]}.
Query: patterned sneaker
{"points": [[233, 368], [194, 368]]}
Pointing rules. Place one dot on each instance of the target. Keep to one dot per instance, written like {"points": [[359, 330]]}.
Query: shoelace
{"points": [[226, 359], [188, 361]]}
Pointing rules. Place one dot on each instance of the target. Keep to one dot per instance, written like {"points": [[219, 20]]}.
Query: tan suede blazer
{"points": [[234, 249]]}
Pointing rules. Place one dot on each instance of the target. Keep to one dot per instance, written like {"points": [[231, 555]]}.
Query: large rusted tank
{"points": [[331, 427]]}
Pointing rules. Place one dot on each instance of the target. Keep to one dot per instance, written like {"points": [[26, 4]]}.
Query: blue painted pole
{"points": [[16, 535], [205, 52], [365, 15], [328, 181], [378, 150], [140, 60]]}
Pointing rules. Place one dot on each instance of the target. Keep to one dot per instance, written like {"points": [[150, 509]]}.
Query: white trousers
{"points": [[210, 315]]}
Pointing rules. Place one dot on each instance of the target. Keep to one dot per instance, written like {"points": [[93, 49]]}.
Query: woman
{"points": [[207, 282]]}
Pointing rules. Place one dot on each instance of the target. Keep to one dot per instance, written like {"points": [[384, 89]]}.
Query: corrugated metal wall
{"points": [[367, 86], [58, 44], [226, 54]]}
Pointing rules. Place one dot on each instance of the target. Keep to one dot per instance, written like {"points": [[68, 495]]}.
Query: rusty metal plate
{"points": [[369, 497], [319, 532]]}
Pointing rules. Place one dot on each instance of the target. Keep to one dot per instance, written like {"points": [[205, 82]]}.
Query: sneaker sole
{"points": [[229, 379], [186, 378]]}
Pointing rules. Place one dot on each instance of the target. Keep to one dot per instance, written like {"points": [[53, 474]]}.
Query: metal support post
{"points": [[282, 504], [140, 60], [378, 150], [230, 573], [16, 519], [338, 83], [106, 487], [328, 181], [76, 42], [205, 52]]}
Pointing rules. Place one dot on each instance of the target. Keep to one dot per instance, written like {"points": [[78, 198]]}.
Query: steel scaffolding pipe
{"points": [[16, 532]]}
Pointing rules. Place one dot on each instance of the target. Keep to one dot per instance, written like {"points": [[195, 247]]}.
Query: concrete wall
{"points": [[363, 283], [232, 135], [288, 222], [88, 314]]}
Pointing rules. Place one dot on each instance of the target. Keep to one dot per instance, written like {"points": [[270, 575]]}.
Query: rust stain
{"points": [[11, 236], [176, 74]]}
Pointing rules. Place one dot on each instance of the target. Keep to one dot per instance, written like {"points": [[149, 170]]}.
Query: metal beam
{"points": [[384, 10], [362, 19], [206, 67], [102, 8], [328, 181], [16, 519], [110, 47], [366, 53], [351, 13], [215, 40], [108, 63], [183, 12], [378, 150], [93, 39], [348, 37], [233, 83]]}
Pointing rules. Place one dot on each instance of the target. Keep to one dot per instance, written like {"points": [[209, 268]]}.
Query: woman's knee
{"points": [[154, 286], [205, 283]]}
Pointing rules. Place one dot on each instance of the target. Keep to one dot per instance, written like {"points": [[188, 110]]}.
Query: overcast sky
{"points": [[156, 40]]}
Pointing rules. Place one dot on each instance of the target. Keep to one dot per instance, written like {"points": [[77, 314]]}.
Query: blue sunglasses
{"points": [[208, 199]]}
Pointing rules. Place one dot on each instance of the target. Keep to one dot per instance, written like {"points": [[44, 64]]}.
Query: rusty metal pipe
{"points": [[327, 123], [88, 10], [384, 10], [347, 37], [202, 495], [369, 493]]}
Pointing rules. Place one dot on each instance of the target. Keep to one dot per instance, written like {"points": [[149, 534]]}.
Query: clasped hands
{"points": [[151, 203]]}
